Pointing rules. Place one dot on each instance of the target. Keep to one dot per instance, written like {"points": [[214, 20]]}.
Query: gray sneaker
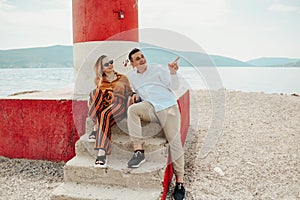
{"points": [[137, 159]]}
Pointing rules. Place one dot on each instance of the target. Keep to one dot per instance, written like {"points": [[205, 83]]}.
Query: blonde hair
{"points": [[96, 69]]}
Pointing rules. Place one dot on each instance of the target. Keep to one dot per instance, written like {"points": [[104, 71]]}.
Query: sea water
{"points": [[29, 79], [248, 79]]}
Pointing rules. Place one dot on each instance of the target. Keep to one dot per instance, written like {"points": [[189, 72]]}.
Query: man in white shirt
{"points": [[153, 85]]}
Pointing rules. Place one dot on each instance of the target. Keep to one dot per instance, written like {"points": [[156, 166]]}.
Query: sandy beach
{"points": [[258, 150], [256, 155]]}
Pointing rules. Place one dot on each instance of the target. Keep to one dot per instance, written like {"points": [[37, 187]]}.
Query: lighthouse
{"points": [[111, 27]]}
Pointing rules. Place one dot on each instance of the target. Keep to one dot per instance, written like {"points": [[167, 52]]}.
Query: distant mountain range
{"points": [[62, 56], [273, 61], [41, 57]]}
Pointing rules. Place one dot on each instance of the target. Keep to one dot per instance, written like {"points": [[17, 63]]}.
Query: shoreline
{"points": [[25, 92], [268, 80], [256, 155]]}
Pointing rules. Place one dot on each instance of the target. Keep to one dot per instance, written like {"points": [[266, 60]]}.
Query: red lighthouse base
{"points": [[41, 127]]}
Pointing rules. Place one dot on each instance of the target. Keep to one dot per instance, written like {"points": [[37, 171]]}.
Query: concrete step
{"points": [[152, 132], [149, 175], [121, 142], [83, 191], [148, 128]]}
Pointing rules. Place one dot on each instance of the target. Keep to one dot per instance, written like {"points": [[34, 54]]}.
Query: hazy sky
{"points": [[241, 29]]}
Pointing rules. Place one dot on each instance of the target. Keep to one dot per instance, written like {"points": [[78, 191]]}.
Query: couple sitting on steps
{"points": [[152, 100]]}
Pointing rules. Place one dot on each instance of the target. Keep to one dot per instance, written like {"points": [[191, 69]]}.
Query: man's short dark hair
{"points": [[133, 51]]}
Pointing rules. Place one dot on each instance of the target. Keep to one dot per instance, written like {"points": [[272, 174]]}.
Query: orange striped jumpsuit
{"points": [[108, 105]]}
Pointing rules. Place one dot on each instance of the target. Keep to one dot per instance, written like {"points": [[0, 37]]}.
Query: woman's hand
{"points": [[133, 99]]}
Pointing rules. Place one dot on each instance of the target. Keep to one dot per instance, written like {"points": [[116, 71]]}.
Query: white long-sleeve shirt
{"points": [[155, 86]]}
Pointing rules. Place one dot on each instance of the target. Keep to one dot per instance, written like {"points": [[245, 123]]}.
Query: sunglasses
{"points": [[108, 63]]}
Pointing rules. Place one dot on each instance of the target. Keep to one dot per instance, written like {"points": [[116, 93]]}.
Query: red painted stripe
{"points": [[184, 107], [98, 20]]}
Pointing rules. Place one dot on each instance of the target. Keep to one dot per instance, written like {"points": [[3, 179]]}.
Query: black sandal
{"points": [[101, 162], [92, 136]]}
